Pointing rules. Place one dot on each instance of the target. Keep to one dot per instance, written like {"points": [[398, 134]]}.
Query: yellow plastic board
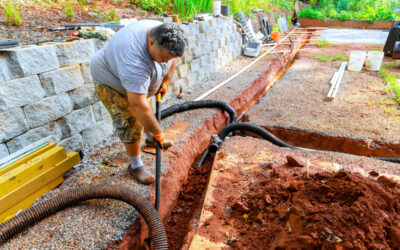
{"points": [[25, 172], [27, 158], [30, 188], [28, 201]]}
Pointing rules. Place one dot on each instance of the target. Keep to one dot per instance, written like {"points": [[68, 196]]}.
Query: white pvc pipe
{"points": [[242, 70], [339, 80]]}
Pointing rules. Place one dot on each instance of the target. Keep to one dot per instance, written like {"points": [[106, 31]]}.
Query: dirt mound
{"points": [[325, 210]]}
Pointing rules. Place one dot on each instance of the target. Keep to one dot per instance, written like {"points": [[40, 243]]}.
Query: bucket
{"points": [[374, 60], [275, 36], [356, 60], [216, 8], [225, 10]]}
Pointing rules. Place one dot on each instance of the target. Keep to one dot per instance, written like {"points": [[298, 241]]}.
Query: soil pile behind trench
{"points": [[286, 209]]}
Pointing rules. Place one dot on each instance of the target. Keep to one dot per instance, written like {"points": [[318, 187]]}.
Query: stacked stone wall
{"points": [[47, 91]]}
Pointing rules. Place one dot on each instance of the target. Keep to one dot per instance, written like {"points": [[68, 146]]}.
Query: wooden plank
{"points": [[25, 172], [28, 201], [355, 24], [38, 182], [5, 168], [172, 133], [14, 155]]}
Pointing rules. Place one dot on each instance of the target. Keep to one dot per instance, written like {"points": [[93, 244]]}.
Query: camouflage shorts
{"points": [[126, 126]]}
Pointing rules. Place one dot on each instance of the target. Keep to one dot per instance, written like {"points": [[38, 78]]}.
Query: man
{"points": [[137, 63]]}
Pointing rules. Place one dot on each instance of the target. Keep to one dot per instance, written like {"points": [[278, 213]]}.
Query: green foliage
{"points": [[387, 102], [159, 6], [392, 83], [276, 28], [111, 16], [392, 65], [341, 57], [322, 58], [69, 12], [330, 58], [289, 21], [246, 6], [311, 13], [322, 43], [369, 10], [186, 9], [390, 111], [12, 14]]}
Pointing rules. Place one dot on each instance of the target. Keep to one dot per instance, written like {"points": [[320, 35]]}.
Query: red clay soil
{"points": [[287, 209], [314, 140], [190, 199]]}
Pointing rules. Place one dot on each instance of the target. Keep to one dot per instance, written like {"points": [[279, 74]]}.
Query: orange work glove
{"points": [[160, 138], [163, 89]]}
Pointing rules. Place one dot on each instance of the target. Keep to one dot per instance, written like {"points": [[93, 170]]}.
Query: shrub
{"points": [[69, 12], [12, 15], [111, 16], [392, 83], [368, 10]]}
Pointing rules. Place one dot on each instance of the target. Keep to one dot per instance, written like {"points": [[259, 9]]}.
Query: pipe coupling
{"points": [[215, 143]]}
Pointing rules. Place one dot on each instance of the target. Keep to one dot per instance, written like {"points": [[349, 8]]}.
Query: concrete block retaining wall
{"points": [[47, 91]]}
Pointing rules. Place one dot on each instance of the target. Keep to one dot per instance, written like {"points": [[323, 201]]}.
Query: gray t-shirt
{"points": [[125, 64]]}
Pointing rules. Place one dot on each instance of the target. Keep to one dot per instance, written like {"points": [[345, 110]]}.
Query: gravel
{"points": [[298, 101]]}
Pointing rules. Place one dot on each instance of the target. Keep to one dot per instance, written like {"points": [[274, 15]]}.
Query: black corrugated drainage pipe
{"points": [[178, 108], [64, 200], [217, 140]]}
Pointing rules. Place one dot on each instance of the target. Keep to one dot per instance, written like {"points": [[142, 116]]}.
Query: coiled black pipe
{"points": [[62, 201], [390, 159], [267, 136], [178, 108]]}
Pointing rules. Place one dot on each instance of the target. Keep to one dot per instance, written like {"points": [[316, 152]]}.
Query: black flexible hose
{"points": [[178, 108], [250, 128], [28, 217], [267, 136], [158, 159]]}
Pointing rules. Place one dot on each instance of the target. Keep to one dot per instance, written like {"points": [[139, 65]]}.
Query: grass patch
{"points": [[395, 65], [387, 102], [330, 58], [322, 43], [69, 12], [392, 83], [111, 17], [390, 111], [12, 14], [341, 57], [322, 58]]}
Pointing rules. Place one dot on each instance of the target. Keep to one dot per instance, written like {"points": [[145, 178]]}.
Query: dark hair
{"points": [[169, 36]]}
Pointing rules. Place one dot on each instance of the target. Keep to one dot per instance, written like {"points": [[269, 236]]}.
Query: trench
{"points": [[184, 216], [342, 144], [180, 215], [183, 221]]}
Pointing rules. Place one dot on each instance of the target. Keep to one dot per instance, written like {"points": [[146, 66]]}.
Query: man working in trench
{"points": [[137, 63]]}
